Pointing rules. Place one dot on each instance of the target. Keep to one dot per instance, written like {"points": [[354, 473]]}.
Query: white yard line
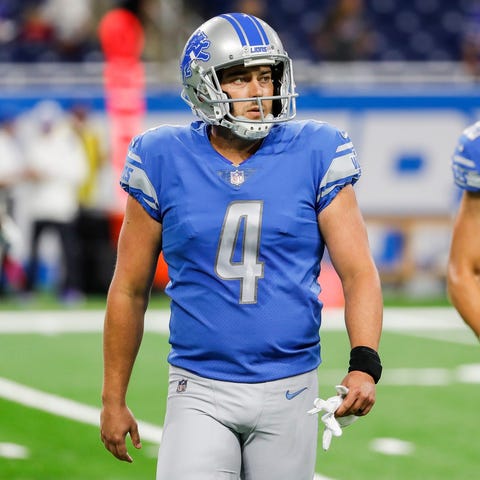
{"points": [[64, 407], [13, 451], [73, 410], [422, 320], [442, 324], [66, 321]]}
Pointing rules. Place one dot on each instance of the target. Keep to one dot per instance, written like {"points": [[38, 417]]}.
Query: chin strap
{"points": [[247, 129]]}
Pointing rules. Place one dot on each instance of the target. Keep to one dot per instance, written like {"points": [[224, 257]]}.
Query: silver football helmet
{"points": [[228, 40]]}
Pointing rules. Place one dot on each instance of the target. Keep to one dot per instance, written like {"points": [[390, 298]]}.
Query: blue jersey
{"points": [[466, 159], [242, 243]]}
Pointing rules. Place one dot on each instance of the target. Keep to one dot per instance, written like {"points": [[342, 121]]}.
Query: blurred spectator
{"points": [[471, 41], [57, 160], [165, 25], [36, 36], [73, 25], [49, 30], [11, 161], [94, 155], [345, 33], [252, 7], [9, 19], [12, 174], [93, 229]]}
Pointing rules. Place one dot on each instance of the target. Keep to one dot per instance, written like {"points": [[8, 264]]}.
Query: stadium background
{"points": [[403, 104]]}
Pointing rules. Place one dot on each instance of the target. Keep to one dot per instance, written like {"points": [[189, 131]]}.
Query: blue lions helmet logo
{"points": [[198, 46]]}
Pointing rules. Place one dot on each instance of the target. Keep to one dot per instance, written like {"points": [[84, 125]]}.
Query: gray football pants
{"points": [[228, 431]]}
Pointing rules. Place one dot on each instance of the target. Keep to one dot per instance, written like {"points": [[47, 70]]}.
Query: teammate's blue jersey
{"points": [[242, 243], [466, 159]]}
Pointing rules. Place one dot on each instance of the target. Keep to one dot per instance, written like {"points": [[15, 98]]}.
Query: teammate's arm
{"points": [[463, 273], [343, 229], [138, 249]]}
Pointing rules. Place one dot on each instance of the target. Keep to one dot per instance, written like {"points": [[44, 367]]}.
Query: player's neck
{"points": [[231, 146]]}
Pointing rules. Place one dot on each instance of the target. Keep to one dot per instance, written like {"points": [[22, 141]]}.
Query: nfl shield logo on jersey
{"points": [[237, 177], [182, 385]]}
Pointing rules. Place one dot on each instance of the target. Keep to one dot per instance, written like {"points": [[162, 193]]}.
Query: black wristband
{"points": [[366, 359]]}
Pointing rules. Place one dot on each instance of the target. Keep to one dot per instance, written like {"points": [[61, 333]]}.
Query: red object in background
{"points": [[161, 278], [161, 274], [121, 35], [122, 39], [332, 290]]}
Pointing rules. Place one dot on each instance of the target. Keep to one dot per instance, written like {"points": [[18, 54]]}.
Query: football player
{"points": [[242, 203], [463, 274]]}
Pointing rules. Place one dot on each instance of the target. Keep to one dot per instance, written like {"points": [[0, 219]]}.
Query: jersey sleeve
{"points": [[466, 159], [341, 168], [140, 174]]}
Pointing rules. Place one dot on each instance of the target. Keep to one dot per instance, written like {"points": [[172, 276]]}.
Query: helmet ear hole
{"points": [[276, 108], [220, 73], [277, 75]]}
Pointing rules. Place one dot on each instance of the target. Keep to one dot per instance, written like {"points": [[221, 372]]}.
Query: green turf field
{"points": [[424, 426]]}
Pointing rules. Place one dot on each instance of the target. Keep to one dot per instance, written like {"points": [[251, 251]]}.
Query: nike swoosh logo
{"points": [[292, 395]]}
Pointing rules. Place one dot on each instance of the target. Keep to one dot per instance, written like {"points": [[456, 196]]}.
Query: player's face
{"points": [[248, 82]]}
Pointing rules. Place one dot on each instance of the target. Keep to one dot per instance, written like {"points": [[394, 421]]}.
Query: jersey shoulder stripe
{"points": [[465, 162], [341, 166], [142, 171]]}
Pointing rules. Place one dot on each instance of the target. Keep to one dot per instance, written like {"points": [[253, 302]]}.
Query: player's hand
{"points": [[115, 424], [360, 397]]}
